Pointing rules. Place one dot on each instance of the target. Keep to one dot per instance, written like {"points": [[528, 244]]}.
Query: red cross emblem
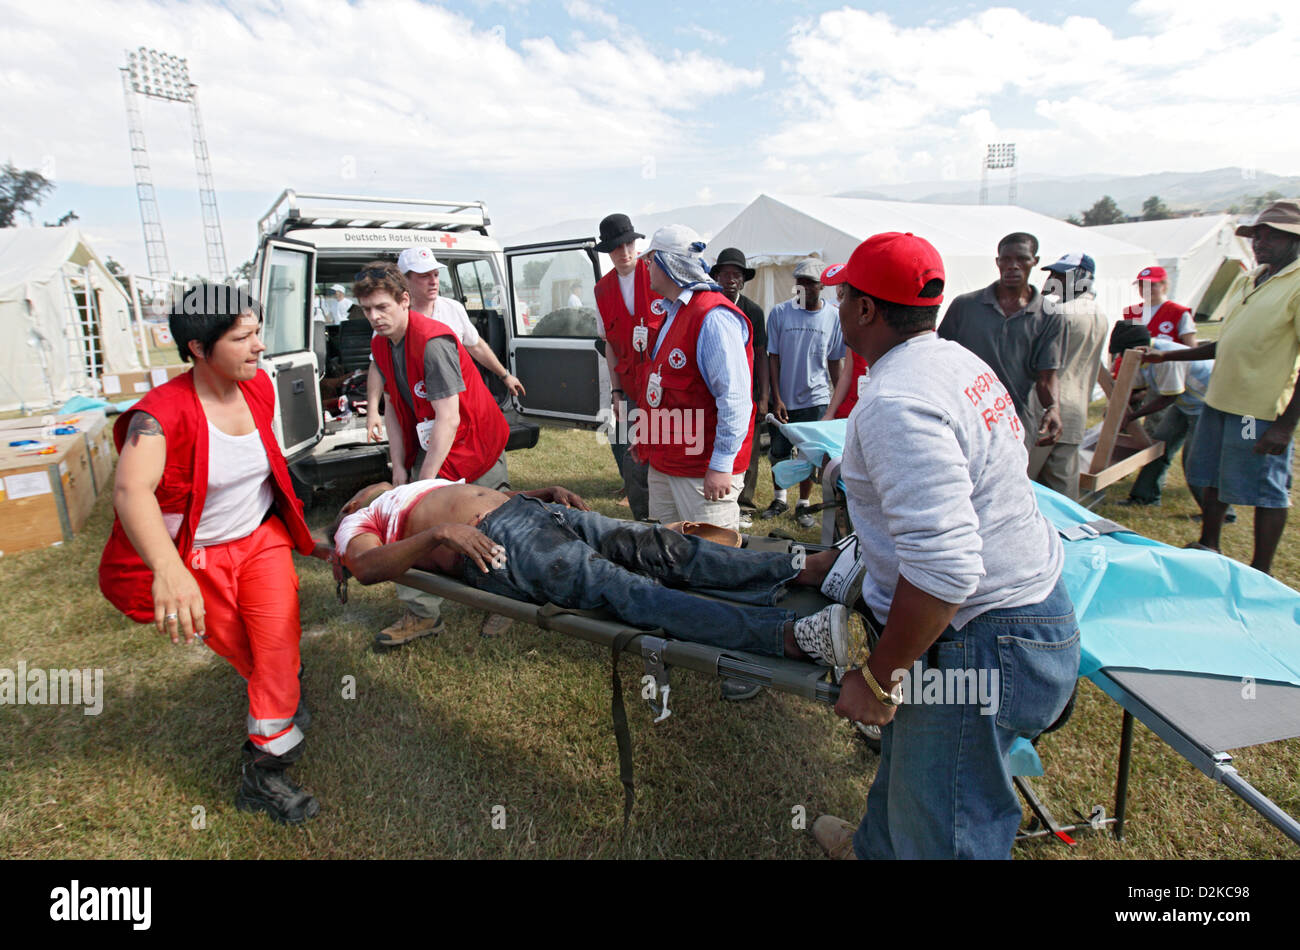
{"points": [[448, 239]]}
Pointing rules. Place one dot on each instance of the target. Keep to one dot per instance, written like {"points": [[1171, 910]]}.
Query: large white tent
{"points": [[1202, 255], [51, 344], [777, 231]]}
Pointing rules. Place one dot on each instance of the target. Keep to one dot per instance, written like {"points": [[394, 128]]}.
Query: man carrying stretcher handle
{"points": [[546, 546]]}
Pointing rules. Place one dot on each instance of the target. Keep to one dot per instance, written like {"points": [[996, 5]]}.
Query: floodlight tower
{"points": [[165, 77], [999, 156]]}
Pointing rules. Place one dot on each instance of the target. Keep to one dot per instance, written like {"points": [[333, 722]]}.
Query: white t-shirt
{"points": [[385, 517], [627, 285], [239, 488]]}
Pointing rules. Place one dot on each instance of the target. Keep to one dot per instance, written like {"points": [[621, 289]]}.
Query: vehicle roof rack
{"points": [[289, 212]]}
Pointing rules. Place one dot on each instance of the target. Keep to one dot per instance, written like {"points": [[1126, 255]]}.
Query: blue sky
{"points": [[558, 109]]}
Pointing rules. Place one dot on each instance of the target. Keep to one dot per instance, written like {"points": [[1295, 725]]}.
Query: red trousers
{"points": [[250, 602]]}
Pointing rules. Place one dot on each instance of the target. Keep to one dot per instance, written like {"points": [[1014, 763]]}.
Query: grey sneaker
{"points": [[804, 518], [828, 636], [843, 582]]}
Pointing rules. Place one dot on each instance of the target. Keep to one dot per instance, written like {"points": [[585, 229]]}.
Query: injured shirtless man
{"points": [[547, 546]]}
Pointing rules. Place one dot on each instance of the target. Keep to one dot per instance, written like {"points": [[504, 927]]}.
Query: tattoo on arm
{"points": [[142, 424]]}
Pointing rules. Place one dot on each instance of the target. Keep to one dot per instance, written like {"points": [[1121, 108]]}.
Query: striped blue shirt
{"points": [[720, 355]]}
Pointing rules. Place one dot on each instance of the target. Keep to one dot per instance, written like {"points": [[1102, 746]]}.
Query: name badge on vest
{"points": [[654, 390], [862, 383], [422, 431], [640, 337]]}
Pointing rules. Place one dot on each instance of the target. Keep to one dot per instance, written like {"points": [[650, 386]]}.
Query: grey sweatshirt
{"points": [[934, 466]]}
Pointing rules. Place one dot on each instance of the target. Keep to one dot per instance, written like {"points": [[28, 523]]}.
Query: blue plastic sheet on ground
{"points": [[1145, 605]]}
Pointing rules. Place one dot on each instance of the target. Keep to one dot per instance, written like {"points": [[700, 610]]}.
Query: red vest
{"points": [[668, 448], [628, 363], [483, 431], [124, 578], [1168, 312], [859, 366]]}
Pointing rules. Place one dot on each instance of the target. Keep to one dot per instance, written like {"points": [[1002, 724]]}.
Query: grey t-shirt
{"points": [[804, 340], [934, 468], [442, 376], [1018, 347]]}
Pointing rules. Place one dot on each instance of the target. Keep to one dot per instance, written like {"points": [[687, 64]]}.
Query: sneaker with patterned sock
{"points": [[803, 517], [843, 582], [831, 637]]}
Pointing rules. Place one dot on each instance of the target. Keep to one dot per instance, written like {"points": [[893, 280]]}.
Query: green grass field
{"points": [[447, 734]]}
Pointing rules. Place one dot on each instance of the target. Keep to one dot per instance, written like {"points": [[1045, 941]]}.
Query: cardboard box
{"points": [[44, 499], [119, 386], [94, 427], [162, 336]]}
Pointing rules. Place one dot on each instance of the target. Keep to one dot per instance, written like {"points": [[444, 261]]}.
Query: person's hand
{"points": [[177, 603], [762, 410], [1275, 439], [615, 407], [513, 385], [400, 475], [779, 410], [375, 430], [475, 545], [562, 496], [858, 703], [1153, 356], [827, 416], [717, 485], [1049, 430]]}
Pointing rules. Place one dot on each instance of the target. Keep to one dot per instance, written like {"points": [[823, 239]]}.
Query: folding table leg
{"points": [[1121, 779]]}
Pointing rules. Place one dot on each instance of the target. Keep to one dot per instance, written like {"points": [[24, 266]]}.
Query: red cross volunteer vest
{"points": [[620, 326]]}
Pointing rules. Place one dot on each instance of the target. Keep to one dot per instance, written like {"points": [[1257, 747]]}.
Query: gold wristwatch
{"points": [[892, 698]]}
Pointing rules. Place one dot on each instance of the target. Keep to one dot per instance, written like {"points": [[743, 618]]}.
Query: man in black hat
{"points": [[731, 273], [629, 327]]}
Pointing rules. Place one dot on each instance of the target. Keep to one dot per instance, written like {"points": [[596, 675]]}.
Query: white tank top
{"points": [[239, 488]]}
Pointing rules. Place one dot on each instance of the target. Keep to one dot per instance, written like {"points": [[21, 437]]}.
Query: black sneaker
{"points": [[271, 791], [777, 507]]}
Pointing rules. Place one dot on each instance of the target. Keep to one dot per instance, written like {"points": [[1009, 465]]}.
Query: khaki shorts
{"points": [[676, 498]]}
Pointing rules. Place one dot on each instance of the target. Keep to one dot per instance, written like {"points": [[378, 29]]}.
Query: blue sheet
{"points": [[1145, 605]]}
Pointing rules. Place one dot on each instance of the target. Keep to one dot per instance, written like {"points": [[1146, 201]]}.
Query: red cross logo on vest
{"points": [[677, 359], [448, 239], [420, 390]]}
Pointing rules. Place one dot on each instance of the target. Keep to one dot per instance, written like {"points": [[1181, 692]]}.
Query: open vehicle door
{"points": [[554, 343], [285, 275]]}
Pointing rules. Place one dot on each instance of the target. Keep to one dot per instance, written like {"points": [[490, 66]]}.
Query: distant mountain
{"points": [[1059, 197], [707, 220]]}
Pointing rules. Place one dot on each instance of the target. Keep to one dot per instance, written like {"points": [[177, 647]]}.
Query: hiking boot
{"points": [[271, 791], [410, 627], [830, 637], [843, 582], [835, 835], [777, 507], [736, 690], [804, 518]]}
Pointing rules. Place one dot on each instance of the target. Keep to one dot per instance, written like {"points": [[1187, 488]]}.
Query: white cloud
{"points": [[591, 13], [397, 90], [1204, 86]]}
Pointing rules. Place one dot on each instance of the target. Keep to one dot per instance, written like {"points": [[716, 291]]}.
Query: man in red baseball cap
{"points": [[1164, 319], [958, 560]]}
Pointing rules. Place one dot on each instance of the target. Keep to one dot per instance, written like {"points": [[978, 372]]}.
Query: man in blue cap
{"points": [[1084, 332]]}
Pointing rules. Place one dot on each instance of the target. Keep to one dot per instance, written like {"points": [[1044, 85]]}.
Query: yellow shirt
{"points": [[1259, 350]]}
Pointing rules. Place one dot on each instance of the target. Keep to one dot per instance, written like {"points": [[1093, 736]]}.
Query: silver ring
{"points": [[172, 617]]}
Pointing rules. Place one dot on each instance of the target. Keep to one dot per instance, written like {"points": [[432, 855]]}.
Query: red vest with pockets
{"points": [[1168, 312], [483, 431], [627, 362], [124, 578], [684, 388]]}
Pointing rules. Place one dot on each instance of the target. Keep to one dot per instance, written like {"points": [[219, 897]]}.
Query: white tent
{"points": [[1202, 254], [776, 232], [64, 319]]}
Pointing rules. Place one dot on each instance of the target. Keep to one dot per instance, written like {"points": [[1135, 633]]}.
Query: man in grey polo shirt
{"points": [[1007, 326]]}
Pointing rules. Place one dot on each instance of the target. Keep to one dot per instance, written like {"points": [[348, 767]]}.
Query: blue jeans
{"points": [[943, 788], [585, 560]]}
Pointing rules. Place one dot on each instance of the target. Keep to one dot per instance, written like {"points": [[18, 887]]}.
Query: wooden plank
{"points": [[1116, 409], [1094, 481]]}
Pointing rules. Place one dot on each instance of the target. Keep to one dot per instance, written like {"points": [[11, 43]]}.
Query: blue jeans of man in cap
{"points": [[583, 559], [943, 788]]}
